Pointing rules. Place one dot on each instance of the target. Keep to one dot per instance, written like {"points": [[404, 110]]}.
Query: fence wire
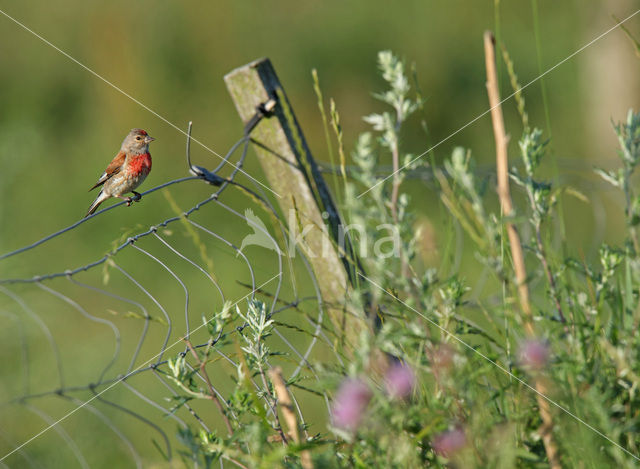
{"points": [[82, 294], [144, 352]]}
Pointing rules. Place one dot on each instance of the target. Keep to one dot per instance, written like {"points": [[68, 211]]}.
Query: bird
{"points": [[127, 170]]}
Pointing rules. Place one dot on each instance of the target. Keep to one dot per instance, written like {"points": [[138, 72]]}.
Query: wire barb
{"points": [[262, 110], [200, 171], [265, 109]]}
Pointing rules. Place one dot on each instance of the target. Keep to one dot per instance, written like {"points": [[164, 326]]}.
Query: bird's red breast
{"points": [[139, 164]]}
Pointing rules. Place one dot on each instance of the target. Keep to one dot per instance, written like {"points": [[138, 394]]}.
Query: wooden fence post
{"points": [[305, 198]]}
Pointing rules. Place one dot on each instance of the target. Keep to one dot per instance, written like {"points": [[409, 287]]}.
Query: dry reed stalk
{"points": [[502, 168]]}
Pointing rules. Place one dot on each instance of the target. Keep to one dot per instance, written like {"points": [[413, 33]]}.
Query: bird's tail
{"points": [[96, 203]]}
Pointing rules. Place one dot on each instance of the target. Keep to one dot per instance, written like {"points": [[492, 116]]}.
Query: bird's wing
{"points": [[114, 168]]}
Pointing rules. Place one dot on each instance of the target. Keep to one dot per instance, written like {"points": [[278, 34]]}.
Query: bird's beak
{"points": [[148, 139]]}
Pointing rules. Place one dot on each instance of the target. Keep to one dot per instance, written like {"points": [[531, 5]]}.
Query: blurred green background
{"points": [[60, 126]]}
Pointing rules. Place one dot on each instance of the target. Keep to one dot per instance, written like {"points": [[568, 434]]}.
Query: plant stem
{"points": [[550, 278], [626, 187], [502, 166], [284, 400], [396, 179], [234, 461], [213, 396], [271, 401], [325, 125]]}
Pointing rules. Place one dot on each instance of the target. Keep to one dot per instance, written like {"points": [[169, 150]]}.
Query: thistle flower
{"points": [[534, 354], [450, 442], [399, 381], [350, 403]]}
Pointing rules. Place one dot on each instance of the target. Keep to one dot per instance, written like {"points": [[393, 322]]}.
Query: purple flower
{"points": [[534, 354], [350, 403], [399, 381], [447, 443]]}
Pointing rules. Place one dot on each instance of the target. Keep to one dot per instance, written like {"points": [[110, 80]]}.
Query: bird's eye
{"points": [[138, 138]]}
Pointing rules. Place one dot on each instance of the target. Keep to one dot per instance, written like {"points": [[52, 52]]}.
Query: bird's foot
{"points": [[136, 196], [128, 200]]}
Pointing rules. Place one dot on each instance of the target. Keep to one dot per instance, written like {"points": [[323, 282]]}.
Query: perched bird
{"points": [[128, 169]]}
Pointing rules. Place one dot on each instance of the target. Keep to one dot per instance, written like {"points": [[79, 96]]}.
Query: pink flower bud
{"points": [[448, 443], [534, 354], [400, 381], [350, 403]]}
